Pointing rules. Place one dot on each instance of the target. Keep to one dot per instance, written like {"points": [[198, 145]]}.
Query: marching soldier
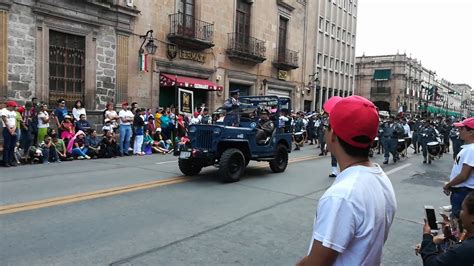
{"points": [[415, 137], [428, 134], [391, 132], [231, 106], [456, 140]]}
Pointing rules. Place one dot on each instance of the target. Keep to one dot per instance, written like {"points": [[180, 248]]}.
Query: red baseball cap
{"points": [[354, 119], [11, 104], [469, 122], [329, 104], [124, 103]]}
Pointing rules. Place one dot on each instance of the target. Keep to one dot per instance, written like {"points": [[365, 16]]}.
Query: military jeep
{"points": [[231, 148]]}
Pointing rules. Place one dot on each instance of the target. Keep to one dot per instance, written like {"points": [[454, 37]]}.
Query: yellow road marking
{"points": [[38, 204]]}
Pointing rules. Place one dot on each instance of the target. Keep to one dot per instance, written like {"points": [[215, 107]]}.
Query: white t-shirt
{"points": [[355, 214], [195, 120], [125, 114], [465, 156], [11, 117], [76, 113], [112, 115], [42, 115]]}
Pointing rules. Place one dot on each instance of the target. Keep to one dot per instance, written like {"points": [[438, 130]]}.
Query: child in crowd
{"points": [[60, 147], [107, 126], [148, 142]]}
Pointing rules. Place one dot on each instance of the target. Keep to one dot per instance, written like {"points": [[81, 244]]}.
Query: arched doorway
{"points": [[382, 105]]}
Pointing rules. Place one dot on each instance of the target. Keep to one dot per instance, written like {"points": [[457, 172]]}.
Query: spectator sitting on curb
{"points": [[77, 146], [49, 151], [67, 129], [60, 147], [82, 124], [93, 143], [108, 146]]}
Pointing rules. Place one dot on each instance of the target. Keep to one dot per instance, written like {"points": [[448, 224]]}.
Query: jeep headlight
{"points": [[217, 131], [192, 129]]}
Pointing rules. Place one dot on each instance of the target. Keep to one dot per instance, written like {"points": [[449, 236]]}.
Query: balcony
{"points": [[286, 59], [246, 48], [380, 91], [189, 32]]}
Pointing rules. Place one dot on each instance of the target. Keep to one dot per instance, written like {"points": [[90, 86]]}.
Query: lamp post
{"points": [[315, 84], [150, 46]]}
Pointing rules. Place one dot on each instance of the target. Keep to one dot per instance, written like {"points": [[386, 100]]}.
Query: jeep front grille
{"points": [[204, 139]]}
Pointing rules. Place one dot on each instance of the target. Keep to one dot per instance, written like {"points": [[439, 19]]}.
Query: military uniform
{"points": [[456, 140], [415, 137], [264, 130], [390, 135], [428, 134], [231, 106], [322, 141]]}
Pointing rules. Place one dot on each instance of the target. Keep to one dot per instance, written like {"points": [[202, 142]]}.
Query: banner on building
{"points": [[185, 101]]}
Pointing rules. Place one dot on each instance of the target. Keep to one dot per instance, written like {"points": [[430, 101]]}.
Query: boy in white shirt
{"points": [[8, 117], [355, 214]]}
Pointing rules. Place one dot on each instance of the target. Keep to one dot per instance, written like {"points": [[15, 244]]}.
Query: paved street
{"points": [[139, 211]]}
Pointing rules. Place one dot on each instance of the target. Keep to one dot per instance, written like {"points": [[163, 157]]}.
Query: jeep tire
{"points": [[280, 162], [189, 167], [231, 165]]}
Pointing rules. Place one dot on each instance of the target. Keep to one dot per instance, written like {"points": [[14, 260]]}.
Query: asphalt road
{"points": [[139, 211]]}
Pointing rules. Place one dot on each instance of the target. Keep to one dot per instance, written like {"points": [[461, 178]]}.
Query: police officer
{"points": [[391, 132], [265, 127], [428, 134], [231, 107]]}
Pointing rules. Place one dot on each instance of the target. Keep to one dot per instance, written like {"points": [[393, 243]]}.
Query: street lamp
{"points": [[150, 46], [314, 83]]}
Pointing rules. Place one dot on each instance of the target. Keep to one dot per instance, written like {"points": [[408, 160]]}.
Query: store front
{"points": [[200, 88]]}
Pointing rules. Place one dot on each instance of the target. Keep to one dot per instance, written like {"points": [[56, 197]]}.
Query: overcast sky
{"points": [[437, 32]]}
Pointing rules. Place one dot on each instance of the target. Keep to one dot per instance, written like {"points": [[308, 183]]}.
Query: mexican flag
{"points": [[143, 62]]}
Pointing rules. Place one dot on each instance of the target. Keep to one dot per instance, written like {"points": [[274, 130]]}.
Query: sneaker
{"points": [[332, 175], [80, 157], [87, 157], [58, 161]]}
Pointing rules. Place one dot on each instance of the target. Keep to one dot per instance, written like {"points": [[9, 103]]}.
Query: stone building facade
{"points": [[97, 51], [62, 49], [400, 83]]}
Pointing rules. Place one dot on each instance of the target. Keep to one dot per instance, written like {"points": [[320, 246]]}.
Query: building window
{"points": [[242, 22], [186, 9], [343, 37], [321, 22], [338, 33], [66, 66], [325, 62], [333, 30], [282, 36], [326, 29], [336, 67], [319, 59], [331, 63]]}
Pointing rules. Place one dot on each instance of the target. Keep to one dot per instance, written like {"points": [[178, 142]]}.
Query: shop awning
{"points": [[187, 82], [382, 74]]}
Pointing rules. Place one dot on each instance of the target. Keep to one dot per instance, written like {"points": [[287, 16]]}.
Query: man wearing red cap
{"points": [[355, 214], [8, 116], [461, 180]]}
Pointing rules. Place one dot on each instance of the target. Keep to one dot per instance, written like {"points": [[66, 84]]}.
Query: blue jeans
{"points": [[9, 142], [125, 134], [80, 152], [457, 197], [50, 154]]}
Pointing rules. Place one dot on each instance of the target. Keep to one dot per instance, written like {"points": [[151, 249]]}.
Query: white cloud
{"points": [[439, 33]]}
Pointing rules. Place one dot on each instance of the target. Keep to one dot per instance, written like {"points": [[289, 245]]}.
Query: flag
{"points": [[143, 62]]}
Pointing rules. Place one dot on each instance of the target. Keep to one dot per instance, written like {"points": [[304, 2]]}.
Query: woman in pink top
{"points": [[67, 128]]}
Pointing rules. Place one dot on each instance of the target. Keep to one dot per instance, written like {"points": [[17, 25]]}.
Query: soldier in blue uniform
{"points": [[428, 134], [416, 127], [456, 140], [231, 107], [390, 134]]}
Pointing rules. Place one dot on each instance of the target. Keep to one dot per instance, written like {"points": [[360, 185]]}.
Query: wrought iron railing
{"points": [[286, 56], [190, 27], [380, 90], [246, 44]]}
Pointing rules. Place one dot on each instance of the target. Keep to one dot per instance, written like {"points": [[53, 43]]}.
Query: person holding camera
{"points": [[355, 214], [459, 254], [461, 180]]}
